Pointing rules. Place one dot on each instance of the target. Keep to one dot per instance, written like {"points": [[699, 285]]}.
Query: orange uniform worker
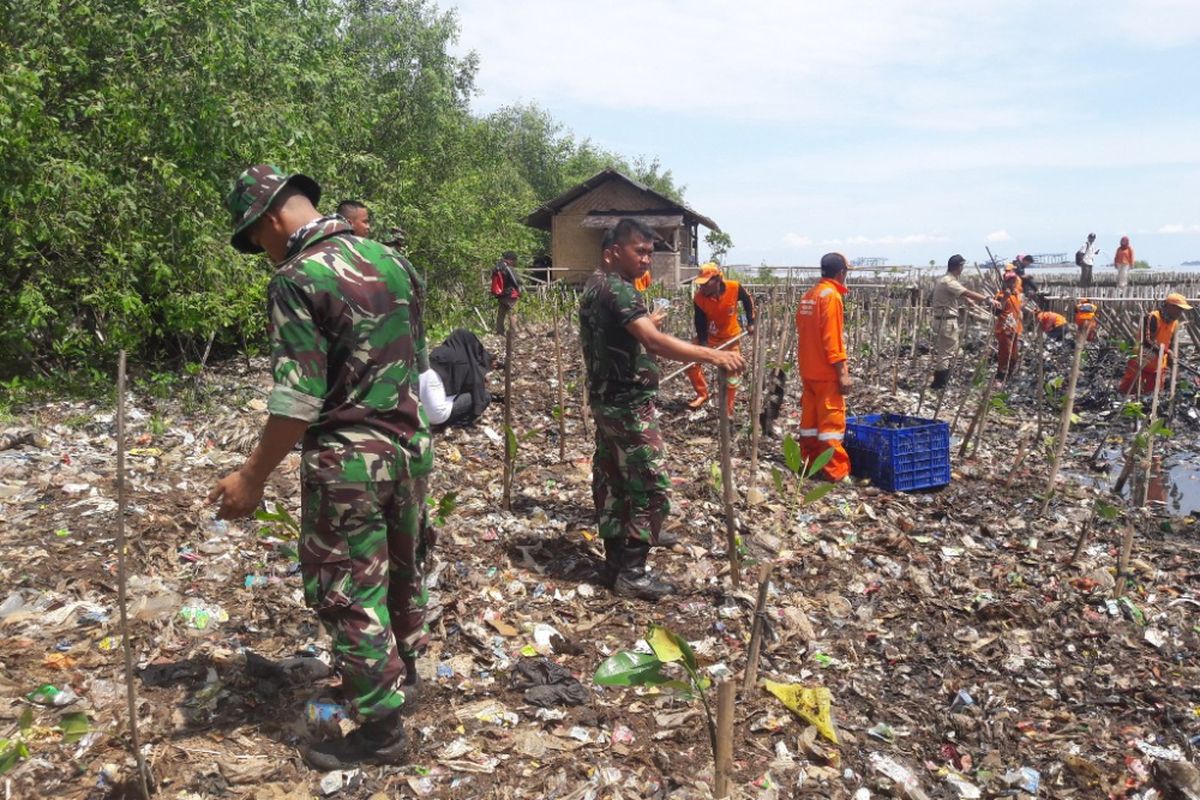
{"points": [[716, 306], [1085, 316], [1158, 328], [824, 369], [1053, 325], [1123, 260], [1008, 326]]}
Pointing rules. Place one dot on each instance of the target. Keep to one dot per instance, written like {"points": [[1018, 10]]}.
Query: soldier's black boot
{"points": [[940, 377], [380, 741], [612, 561], [411, 685], [633, 579]]}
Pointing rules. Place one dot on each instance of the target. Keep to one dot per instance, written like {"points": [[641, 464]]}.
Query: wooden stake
{"points": [[735, 569], [1143, 486], [1064, 422], [987, 354], [562, 401], [1123, 561], [126, 644], [756, 628], [724, 753], [1174, 376], [756, 396], [1041, 379], [1020, 459], [509, 456]]}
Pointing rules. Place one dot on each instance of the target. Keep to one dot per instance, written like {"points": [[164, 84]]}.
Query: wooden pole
{"points": [[1145, 482], [1174, 376], [987, 354], [1041, 379], [510, 436], [122, 572], [1123, 560], [1064, 422], [1020, 459], [562, 401], [727, 489], [756, 628], [724, 753], [758, 376]]}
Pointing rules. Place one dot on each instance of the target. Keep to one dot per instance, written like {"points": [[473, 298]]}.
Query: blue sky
{"points": [[909, 130]]}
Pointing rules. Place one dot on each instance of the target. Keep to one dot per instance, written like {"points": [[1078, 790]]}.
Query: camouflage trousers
{"points": [[363, 548], [629, 485]]}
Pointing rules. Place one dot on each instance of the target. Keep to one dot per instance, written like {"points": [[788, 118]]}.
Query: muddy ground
{"points": [[964, 653]]}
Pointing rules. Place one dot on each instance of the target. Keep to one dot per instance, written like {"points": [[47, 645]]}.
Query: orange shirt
{"points": [[1050, 320], [1157, 331], [721, 312], [1084, 310], [1123, 257], [1008, 321], [820, 343]]}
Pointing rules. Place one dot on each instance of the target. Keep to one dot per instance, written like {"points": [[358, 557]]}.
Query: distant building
{"points": [[578, 218], [869, 262]]}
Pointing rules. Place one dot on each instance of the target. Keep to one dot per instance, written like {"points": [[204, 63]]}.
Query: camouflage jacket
{"points": [[347, 347], [619, 371]]}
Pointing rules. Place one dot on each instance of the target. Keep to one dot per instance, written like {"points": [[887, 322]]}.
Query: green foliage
{"points": [[279, 523], [719, 244], [443, 508], [123, 124]]}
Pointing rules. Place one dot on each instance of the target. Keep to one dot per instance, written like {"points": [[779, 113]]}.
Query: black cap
{"points": [[956, 260], [509, 254], [832, 264]]}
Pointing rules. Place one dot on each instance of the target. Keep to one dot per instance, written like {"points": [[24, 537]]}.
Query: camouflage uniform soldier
{"points": [[620, 342], [347, 345]]}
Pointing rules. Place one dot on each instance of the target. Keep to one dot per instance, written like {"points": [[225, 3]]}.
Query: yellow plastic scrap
{"points": [[811, 703]]}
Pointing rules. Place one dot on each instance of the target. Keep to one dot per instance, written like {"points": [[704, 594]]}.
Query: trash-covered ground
{"points": [[963, 654]]}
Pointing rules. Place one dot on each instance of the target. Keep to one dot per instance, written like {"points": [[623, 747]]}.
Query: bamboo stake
{"points": [[1064, 423], [1020, 459], [987, 354], [758, 376], [985, 400], [1084, 530], [1041, 379], [562, 401], [685, 367], [1144, 484], [1174, 376], [509, 433], [724, 749], [1123, 561], [122, 572], [899, 348], [756, 629], [727, 489]]}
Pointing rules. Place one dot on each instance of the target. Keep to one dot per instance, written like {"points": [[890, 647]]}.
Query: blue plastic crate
{"points": [[899, 453]]}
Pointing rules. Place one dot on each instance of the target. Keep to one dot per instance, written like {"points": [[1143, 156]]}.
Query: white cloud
{"points": [[911, 238], [796, 240], [998, 236], [1177, 228]]}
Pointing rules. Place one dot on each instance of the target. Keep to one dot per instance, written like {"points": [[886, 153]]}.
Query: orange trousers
{"points": [[695, 374], [1009, 345], [823, 426], [1150, 377]]}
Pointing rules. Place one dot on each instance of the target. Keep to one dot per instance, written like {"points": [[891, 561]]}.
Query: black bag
{"points": [[1079, 259]]}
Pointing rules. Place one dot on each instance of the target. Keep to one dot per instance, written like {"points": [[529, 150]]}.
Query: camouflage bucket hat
{"points": [[252, 194]]}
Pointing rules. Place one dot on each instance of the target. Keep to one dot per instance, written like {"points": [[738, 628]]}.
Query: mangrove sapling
{"points": [[1101, 509], [631, 668], [801, 471]]}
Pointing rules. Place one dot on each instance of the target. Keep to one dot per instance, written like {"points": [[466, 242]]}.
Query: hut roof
{"points": [[540, 218]]}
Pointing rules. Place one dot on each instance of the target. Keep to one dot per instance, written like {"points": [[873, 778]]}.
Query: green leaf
{"points": [[626, 668], [791, 454], [74, 726], [817, 492], [777, 477], [670, 646], [446, 506], [1106, 510], [819, 463], [26, 721], [11, 751], [510, 443]]}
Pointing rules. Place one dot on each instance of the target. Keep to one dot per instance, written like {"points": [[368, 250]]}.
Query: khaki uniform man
{"points": [[948, 295]]}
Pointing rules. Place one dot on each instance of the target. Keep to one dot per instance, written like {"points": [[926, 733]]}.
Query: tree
{"points": [[719, 244]]}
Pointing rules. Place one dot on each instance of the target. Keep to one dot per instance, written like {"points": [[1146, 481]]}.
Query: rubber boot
{"points": [[411, 686], [940, 378], [380, 741], [612, 561], [633, 579]]}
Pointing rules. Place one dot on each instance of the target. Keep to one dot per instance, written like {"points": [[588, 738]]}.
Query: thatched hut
{"points": [[578, 218]]}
